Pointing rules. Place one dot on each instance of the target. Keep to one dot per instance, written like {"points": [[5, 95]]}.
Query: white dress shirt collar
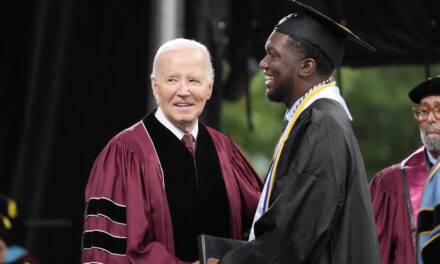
{"points": [[175, 130]]}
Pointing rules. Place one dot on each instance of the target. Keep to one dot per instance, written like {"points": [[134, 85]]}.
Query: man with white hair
{"points": [[396, 191], [168, 178]]}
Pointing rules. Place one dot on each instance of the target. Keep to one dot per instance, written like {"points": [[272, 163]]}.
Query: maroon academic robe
{"points": [[127, 204], [396, 197]]}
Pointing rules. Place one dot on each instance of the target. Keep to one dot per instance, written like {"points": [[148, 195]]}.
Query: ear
{"points": [[307, 67], [210, 86], [155, 87]]}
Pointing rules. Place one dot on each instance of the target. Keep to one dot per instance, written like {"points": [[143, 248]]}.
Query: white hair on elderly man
{"points": [[181, 44]]}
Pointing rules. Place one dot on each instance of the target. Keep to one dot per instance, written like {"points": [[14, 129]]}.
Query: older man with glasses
{"points": [[396, 191]]}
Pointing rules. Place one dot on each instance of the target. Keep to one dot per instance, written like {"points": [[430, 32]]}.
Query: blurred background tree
{"points": [[378, 101]]}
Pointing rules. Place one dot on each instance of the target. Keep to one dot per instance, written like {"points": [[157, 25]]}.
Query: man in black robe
{"points": [[315, 206]]}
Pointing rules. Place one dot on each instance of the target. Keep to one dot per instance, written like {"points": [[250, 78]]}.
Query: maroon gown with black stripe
{"points": [[128, 217]]}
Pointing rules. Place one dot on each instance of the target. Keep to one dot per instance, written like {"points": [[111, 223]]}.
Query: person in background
{"points": [[396, 191], [428, 229], [10, 251], [3, 246], [315, 206], [168, 178]]}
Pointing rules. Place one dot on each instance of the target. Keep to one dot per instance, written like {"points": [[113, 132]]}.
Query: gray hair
{"points": [[180, 44], [431, 143]]}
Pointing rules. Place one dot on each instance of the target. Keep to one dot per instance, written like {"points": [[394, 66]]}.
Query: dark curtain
{"points": [[402, 31], [72, 74]]}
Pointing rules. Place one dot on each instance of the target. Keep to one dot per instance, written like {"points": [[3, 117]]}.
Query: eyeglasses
{"points": [[421, 112]]}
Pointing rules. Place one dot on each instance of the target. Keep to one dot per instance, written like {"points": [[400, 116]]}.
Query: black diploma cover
{"points": [[215, 247]]}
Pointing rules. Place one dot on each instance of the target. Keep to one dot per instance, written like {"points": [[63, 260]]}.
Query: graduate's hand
{"points": [[197, 262]]}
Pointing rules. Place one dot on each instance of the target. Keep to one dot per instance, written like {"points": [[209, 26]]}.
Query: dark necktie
{"points": [[189, 143], [188, 140]]}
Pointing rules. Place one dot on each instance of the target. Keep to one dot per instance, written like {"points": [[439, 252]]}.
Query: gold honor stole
{"points": [[283, 139]]}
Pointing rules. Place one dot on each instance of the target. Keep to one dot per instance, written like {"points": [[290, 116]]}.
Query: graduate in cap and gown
{"points": [[168, 178], [315, 206]]}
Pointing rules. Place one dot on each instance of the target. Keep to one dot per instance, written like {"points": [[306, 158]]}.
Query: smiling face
{"points": [[430, 128], [182, 86], [280, 65]]}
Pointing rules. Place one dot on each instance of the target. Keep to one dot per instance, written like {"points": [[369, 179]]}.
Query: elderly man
{"points": [[168, 178], [315, 206], [397, 190]]}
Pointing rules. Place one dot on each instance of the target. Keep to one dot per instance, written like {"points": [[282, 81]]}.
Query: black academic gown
{"points": [[320, 209]]}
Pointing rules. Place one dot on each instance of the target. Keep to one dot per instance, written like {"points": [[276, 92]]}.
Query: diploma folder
{"points": [[215, 247]]}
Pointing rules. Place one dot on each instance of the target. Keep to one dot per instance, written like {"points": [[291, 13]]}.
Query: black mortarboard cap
{"points": [[426, 88], [316, 29]]}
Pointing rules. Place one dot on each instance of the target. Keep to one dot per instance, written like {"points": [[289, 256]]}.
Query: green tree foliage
{"points": [[266, 117], [378, 101]]}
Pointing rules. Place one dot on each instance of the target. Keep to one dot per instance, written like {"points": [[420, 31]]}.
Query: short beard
{"points": [[281, 93], [432, 144], [278, 94]]}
